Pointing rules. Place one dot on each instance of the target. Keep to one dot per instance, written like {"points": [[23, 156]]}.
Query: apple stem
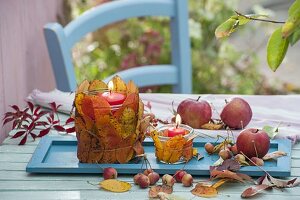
{"points": [[255, 148], [226, 101], [256, 130], [255, 164], [93, 184], [198, 98]]}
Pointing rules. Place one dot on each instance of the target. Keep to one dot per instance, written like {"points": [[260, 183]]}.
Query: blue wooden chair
{"points": [[61, 40]]}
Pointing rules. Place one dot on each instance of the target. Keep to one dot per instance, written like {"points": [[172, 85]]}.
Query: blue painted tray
{"points": [[59, 155]]}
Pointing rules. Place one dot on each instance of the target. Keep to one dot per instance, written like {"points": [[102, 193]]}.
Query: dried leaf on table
{"points": [[213, 126], [199, 156], [251, 191], [280, 183], [114, 185], [229, 164], [202, 190], [274, 155], [218, 162], [165, 196], [220, 146], [220, 182], [154, 190], [214, 174]]}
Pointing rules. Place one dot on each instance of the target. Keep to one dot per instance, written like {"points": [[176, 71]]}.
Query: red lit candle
{"points": [[176, 130], [113, 98]]}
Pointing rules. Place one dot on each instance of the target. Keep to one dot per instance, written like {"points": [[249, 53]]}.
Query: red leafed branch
{"points": [[27, 121]]}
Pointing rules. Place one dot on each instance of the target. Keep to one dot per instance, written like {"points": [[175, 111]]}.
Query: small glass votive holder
{"points": [[174, 150]]}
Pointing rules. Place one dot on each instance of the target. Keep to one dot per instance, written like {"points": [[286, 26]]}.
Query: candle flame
{"points": [[178, 120], [110, 85]]}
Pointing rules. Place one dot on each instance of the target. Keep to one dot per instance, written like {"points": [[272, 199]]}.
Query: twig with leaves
{"points": [[36, 122]]}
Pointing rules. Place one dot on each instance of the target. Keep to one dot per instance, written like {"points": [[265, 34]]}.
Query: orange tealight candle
{"points": [[176, 130], [113, 98]]}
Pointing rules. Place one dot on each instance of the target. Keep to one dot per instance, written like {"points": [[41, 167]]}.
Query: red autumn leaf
{"points": [[49, 119], [8, 120], [274, 155], [55, 122], [36, 110], [54, 107], [8, 114], [31, 126], [70, 120], [260, 180], [16, 108], [251, 191], [70, 130], [18, 134], [245, 177], [282, 183], [214, 174], [33, 135], [15, 123], [229, 164], [51, 115], [154, 190], [23, 141], [148, 105], [25, 110], [44, 132], [30, 105], [59, 128], [41, 123], [42, 113]]}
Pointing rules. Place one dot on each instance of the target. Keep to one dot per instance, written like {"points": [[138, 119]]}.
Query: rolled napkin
{"points": [[65, 99]]}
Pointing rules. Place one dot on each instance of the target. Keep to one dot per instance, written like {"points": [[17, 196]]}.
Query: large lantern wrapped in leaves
{"points": [[108, 133]]}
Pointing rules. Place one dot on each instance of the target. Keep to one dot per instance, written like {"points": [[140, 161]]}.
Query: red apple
{"points": [[257, 161], [143, 181], [110, 173], [237, 113], [187, 180], [178, 175], [233, 149], [194, 113], [168, 180], [148, 171], [251, 141], [209, 147], [153, 177]]}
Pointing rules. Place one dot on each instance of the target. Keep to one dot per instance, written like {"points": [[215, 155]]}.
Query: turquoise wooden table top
{"points": [[15, 183]]}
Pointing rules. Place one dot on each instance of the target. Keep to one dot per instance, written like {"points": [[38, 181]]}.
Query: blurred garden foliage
{"points": [[217, 66]]}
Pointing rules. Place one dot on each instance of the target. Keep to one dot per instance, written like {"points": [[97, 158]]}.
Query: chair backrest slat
{"points": [[109, 13], [61, 40]]}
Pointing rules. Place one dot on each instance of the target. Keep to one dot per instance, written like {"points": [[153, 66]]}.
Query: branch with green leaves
{"points": [[288, 33]]}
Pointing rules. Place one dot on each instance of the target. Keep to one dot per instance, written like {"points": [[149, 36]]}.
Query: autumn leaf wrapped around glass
{"points": [[108, 121], [173, 142]]}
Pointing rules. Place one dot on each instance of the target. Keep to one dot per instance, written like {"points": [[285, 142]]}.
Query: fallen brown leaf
{"points": [[204, 190], [274, 155], [154, 190]]}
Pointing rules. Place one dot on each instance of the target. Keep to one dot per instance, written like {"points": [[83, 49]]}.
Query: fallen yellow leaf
{"points": [[114, 185]]}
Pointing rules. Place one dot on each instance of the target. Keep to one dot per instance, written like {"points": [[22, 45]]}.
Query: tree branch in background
{"points": [[257, 19]]}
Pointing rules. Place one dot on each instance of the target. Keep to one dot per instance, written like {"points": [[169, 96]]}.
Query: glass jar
{"points": [[174, 150]]}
